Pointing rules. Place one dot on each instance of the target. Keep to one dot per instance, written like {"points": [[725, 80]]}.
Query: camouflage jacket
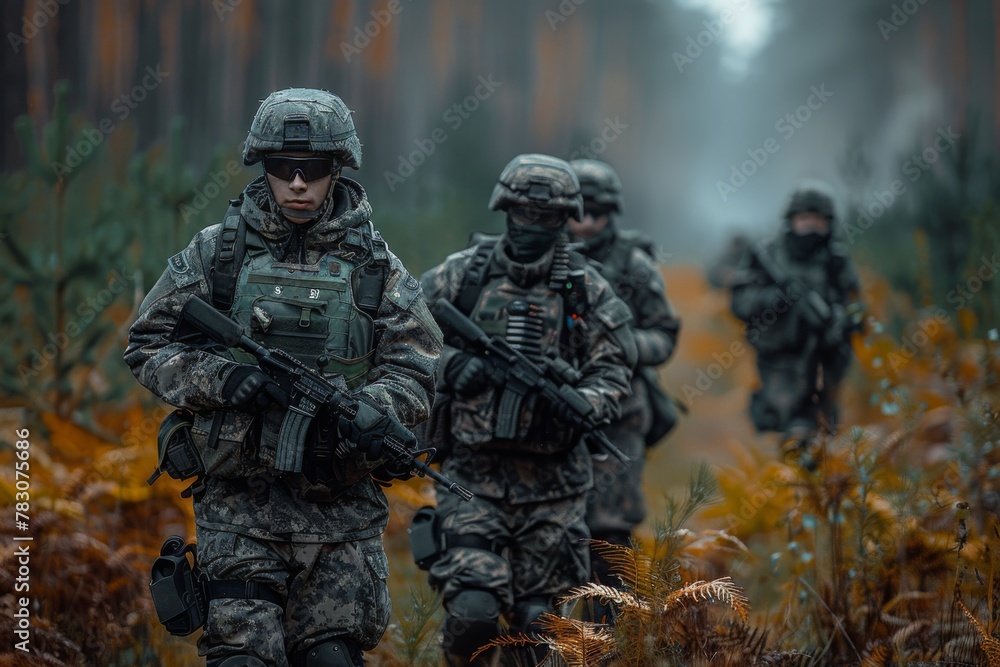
{"points": [[776, 326], [636, 279], [244, 496], [535, 468]]}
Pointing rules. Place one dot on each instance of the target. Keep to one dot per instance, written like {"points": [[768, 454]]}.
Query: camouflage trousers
{"points": [[616, 503], [789, 395], [332, 590], [546, 551]]}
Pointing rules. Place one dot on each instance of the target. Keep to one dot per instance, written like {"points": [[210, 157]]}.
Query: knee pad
{"points": [[236, 661], [527, 611], [328, 653], [471, 622]]}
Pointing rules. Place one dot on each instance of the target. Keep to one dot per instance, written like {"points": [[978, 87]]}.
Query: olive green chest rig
{"points": [[323, 314]]}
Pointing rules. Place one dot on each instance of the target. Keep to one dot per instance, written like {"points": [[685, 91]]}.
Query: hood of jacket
{"points": [[347, 208]]}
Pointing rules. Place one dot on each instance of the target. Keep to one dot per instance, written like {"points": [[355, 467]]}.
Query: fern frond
{"points": [[578, 643], [633, 568], [623, 599], [990, 646], [504, 641], [879, 657], [700, 592]]}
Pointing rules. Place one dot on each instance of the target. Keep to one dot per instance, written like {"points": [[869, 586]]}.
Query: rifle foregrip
{"points": [[445, 312], [211, 322]]}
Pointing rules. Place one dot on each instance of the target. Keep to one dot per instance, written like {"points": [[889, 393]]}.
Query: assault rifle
{"points": [[817, 312], [308, 392], [518, 375]]}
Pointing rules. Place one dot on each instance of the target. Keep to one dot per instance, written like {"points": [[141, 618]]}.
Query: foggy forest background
{"points": [[121, 126]]}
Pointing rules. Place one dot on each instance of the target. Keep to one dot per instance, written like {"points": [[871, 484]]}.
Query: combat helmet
{"points": [[599, 183], [543, 181], [303, 119], [813, 198]]}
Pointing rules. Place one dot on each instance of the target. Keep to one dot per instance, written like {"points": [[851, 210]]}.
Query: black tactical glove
{"points": [[467, 374], [369, 429], [249, 390]]}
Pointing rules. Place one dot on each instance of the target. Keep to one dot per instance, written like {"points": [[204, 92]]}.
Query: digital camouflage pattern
{"points": [[547, 461], [547, 551], [332, 590], [616, 503], [401, 379], [793, 360], [328, 127], [538, 180], [324, 534], [599, 184]]}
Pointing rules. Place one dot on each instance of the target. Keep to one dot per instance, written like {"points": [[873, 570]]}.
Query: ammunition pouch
{"points": [[178, 594], [179, 456], [425, 537], [428, 542], [181, 592]]}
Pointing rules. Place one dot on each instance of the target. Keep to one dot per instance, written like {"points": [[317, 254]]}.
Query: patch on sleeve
{"points": [[613, 313], [403, 291], [181, 270]]}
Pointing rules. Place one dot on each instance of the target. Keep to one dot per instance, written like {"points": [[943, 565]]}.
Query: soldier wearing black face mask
{"points": [[797, 295], [521, 543]]}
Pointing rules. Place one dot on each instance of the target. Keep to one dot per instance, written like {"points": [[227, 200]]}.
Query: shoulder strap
{"points": [[229, 251], [371, 280], [475, 276]]}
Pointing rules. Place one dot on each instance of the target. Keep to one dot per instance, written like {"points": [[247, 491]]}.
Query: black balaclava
{"points": [[529, 242], [803, 246]]}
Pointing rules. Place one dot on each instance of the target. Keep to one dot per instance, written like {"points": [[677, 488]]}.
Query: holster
{"points": [[178, 594]]}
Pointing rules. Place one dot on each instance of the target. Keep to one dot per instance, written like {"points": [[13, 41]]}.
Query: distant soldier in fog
{"points": [[797, 295], [616, 504]]}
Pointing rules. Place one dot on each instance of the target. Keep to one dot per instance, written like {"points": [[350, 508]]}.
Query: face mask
{"points": [[802, 246], [529, 242]]}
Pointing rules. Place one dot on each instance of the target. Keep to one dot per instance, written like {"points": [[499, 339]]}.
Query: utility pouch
{"points": [[178, 455], [664, 410], [176, 587], [425, 537]]}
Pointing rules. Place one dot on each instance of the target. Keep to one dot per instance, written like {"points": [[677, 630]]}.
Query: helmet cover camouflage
{"points": [[303, 119], [811, 199], [599, 183], [541, 181]]}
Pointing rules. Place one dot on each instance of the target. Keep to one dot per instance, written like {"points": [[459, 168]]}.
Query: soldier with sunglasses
{"points": [[294, 561]]}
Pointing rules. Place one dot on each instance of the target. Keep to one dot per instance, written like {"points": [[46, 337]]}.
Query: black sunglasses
{"points": [[310, 168]]}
